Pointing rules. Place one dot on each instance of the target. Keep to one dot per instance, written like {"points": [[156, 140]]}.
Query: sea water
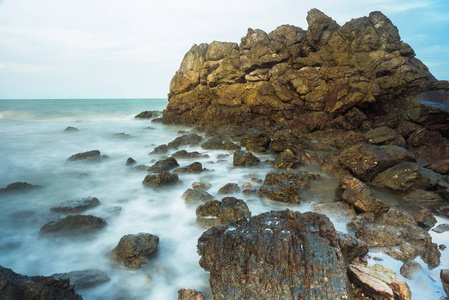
{"points": [[34, 148]]}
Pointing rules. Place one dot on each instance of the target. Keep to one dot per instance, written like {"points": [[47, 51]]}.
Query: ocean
{"points": [[34, 148]]}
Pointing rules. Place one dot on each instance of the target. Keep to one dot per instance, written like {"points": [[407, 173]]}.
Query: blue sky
{"points": [[118, 49]]}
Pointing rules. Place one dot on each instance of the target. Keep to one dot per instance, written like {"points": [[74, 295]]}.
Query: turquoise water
{"points": [[34, 148]]}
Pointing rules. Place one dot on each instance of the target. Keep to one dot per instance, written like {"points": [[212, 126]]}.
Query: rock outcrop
{"points": [[295, 76]]}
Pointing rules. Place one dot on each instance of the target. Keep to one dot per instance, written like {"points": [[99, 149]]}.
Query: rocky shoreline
{"points": [[339, 99]]}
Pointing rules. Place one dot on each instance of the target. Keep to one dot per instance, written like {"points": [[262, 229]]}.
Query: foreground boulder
{"points": [[14, 286], [73, 225], [133, 250], [379, 282], [281, 254]]}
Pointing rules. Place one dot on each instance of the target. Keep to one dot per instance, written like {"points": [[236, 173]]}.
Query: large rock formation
{"points": [[292, 76]]}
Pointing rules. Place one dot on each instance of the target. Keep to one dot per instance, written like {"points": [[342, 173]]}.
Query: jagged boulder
{"points": [[133, 250], [281, 254], [219, 213]]}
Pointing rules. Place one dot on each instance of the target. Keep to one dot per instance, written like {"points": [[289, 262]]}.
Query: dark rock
{"points": [[133, 250], [148, 114], [379, 282], [442, 247], [384, 136], [444, 276], [160, 180], [286, 160], [351, 247], [410, 268], [285, 139], [441, 167], [184, 294], [93, 155], [422, 197], [76, 206], [444, 210], [14, 286], [441, 228], [300, 178], [162, 149], [252, 258], [73, 225], [308, 158], [245, 159], [366, 161], [216, 144], [219, 213], [284, 192], [425, 219], [358, 221], [130, 161], [183, 154], [19, 187], [406, 176], [339, 209], [256, 139], [431, 255], [358, 194], [84, 279], [203, 186], [397, 217], [196, 196], [141, 168], [192, 139], [381, 235], [195, 167], [229, 188], [163, 165], [71, 129], [122, 135]]}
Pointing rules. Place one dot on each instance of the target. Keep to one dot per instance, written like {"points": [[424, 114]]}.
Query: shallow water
{"points": [[34, 148]]}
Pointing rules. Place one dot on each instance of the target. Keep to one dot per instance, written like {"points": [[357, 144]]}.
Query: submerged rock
{"points": [[93, 155], [160, 180], [131, 161], [73, 225], [245, 159], [71, 129], [229, 188], [219, 213], [195, 196], [84, 279], [286, 160], [183, 154], [444, 276], [410, 268], [14, 286], [195, 167], [163, 165], [161, 149], [192, 139], [76, 206], [281, 254], [19, 187], [148, 114], [133, 250], [379, 282]]}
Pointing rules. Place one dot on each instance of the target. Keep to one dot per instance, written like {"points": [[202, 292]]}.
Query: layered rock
{"points": [[289, 75]]}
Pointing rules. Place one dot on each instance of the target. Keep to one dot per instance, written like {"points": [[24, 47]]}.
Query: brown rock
{"points": [[444, 275], [133, 249], [229, 188], [410, 268], [160, 180], [187, 294], [219, 213]]}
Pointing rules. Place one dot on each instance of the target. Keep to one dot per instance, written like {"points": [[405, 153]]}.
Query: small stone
{"points": [[442, 247], [410, 268], [71, 129], [441, 228], [130, 161]]}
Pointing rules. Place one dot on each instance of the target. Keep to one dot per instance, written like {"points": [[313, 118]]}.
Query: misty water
{"points": [[34, 148]]}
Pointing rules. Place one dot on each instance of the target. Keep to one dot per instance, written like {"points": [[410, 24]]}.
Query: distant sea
{"points": [[34, 148]]}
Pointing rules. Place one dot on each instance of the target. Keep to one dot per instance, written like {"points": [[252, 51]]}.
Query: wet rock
{"points": [[358, 221], [192, 139], [397, 217], [84, 279], [148, 114], [366, 161], [130, 161], [384, 136], [286, 160], [256, 139], [441, 167], [406, 176], [252, 259], [216, 144], [245, 159], [229, 188], [339, 209], [285, 139], [16, 287], [444, 276], [185, 294], [300, 178], [73, 225], [219, 213], [431, 255], [133, 250], [195, 196], [422, 197], [441, 228], [358, 194], [163, 165], [71, 129], [160, 180], [351, 247], [161, 149], [379, 282], [403, 252], [76, 206], [444, 210], [141, 168], [410, 268], [183, 154], [203, 186], [93, 155], [425, 219], [309, 158], [195, 167], [284, 192], [19, 187], [381, 235]]}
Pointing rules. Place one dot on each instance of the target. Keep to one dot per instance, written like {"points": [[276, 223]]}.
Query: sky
{"points": [[58, 49]]}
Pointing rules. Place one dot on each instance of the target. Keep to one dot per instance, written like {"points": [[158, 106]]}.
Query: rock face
{"points": [[293, 76], [276, 255], [14, 286]]}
